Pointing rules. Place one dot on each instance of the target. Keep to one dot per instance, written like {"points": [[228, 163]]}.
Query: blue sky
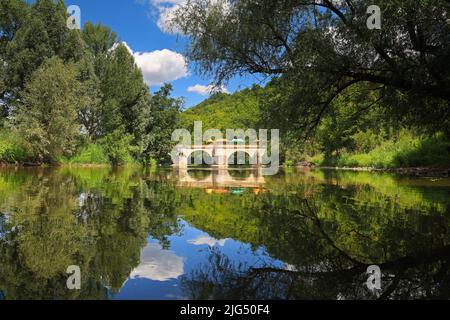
{"points": [[139, 23]]}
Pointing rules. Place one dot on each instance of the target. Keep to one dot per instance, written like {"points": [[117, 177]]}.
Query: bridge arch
{"points": [[241, 158], [225, 155], [200, 157]]}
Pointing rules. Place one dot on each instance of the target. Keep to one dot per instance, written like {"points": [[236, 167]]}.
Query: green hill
{"points": [[241, 110]]}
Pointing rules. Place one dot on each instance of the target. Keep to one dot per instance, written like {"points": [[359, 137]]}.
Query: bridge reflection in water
{"points": [[221, 180]]}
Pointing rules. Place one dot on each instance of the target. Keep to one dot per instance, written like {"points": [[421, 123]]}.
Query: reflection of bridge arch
{"points": [[240, 157], [240, 175], [199, 175], [201, 157], [219, 178]]}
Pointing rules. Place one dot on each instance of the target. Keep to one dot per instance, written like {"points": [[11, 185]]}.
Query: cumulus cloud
{"points": [[206, 90], [160, 66], [158, 264]]}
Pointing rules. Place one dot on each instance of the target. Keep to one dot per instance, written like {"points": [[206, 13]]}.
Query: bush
{"points": [[366, 140], [91, 154], [118, 148], [317, 160], [13, 150]]}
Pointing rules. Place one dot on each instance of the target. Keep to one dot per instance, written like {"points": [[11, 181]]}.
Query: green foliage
{"points": [[91, 154], [40, 58], [98, 38], [164, 117], [118, 147], [406, 150], [31, 34], [125, 97], [13, 149], [47, 116], [320, 48], [223, 111]]}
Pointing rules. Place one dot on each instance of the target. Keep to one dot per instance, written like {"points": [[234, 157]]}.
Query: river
{"points": [[230, 234]]}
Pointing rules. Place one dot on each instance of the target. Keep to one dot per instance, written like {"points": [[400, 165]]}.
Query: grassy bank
{"points": [[92, 154], [406, 151], [15, 151]]}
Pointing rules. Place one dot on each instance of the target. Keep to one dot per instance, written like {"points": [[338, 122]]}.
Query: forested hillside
{"points": [[224, 111], [355, 132]]}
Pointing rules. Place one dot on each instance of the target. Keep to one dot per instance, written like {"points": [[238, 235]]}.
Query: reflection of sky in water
{"points": [[4, 219], [158, 264], [209, 241], [158, 275]]}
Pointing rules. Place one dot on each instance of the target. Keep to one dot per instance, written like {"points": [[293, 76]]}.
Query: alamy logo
{"points": [[374, 21], [74, 19], [239, 147], [374, 280], [74, 280]]}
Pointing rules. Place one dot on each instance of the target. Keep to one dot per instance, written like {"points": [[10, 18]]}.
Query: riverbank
{"points": [[423, 172]]}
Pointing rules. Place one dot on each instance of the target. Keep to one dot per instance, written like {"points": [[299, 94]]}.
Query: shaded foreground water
{"points": [[138, 234]]}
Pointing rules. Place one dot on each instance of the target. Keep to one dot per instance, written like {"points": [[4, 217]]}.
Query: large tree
{"points": [[321, 48], [47, 115]]}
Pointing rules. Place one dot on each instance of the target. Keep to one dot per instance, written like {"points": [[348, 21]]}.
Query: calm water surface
{"points": [[228, 234]]}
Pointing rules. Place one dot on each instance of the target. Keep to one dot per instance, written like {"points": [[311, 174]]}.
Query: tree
{"points": [[118, 147], [89, 114], [125, 97], [47, 116], [162, 122], [323, 47], [29, 35], [112, 97], [100, 39]]}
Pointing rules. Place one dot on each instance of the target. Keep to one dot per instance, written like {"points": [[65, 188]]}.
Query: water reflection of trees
{"points": [[327, 244], [101, 229], [326, 234]]}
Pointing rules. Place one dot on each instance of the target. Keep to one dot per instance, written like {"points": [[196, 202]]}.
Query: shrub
{"points": [[13, 150], [118, 148], [91, 154]]}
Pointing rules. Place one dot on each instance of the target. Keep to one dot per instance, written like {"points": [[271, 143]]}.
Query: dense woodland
{"points": [[341, 94], [74, 95]]}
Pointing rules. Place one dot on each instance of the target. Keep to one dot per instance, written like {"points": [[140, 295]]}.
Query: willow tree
{"points": [[321, 48]]}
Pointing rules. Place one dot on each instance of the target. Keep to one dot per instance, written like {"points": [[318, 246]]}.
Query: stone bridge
{"points": [[221, 155]]}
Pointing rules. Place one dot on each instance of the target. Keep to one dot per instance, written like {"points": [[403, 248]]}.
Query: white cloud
{"points": [[165, 10], [206, 90], [158, 264], [205, 240], [160, 66]]}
